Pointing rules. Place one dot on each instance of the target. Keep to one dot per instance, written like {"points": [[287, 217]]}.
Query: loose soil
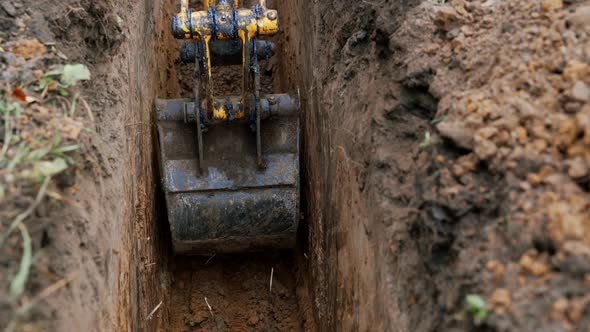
{"points": [[444, 154], [238, 291]]}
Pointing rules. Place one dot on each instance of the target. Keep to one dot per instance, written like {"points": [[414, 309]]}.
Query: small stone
{"points": [[559, 308], [566, 133], [521, 134], [38, 74], [565, 224], [577, 168], [253, 319], [539, 145], [496, 268], [550, 5], [576, 248], [525, 108], [581, 91], [487, 132], [575, 70], [467, 31], [461, 10], [456, 133], [485, 149], [8, 7], [445, 17], [468, 162], [530, 264], [458, 171], [572, 107], [534, 178], [580, 18], [577, 150], [501, 300], [71, 128]]}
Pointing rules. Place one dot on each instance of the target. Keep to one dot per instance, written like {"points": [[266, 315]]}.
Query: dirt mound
{"points": [[74, 225], [454, 159], [520, 125]]}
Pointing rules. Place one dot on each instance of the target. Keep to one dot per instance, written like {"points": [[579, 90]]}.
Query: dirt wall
{"points": [[145, 245], [111, 236], [142, 279], [411, 231], [358, 165]]}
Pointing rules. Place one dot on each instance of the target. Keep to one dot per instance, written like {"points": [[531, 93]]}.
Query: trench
{"points": [[233, 291], [334, 279], [361, 250], [401, 219]]}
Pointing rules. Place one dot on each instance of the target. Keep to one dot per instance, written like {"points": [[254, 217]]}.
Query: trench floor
{"points": [[233, 293]]}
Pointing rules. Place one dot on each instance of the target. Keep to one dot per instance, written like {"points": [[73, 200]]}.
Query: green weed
{"points": [[476, 306]]}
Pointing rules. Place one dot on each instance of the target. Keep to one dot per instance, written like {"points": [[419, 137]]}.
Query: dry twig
{"points": [[151, 314], [209, 306], [270, 285]]}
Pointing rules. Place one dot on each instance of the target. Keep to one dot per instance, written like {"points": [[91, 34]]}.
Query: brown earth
{"points": [[106, 238], [239, 292], [403, 225], [445, 154]]}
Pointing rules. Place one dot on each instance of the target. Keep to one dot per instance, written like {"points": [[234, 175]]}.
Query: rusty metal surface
{"points": [[181, 175], [232, 205], [270, 105], [225, 52], [238, 217]]}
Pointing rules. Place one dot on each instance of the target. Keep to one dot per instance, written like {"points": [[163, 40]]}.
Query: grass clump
{"points": [[476, 306], [39, 134]]}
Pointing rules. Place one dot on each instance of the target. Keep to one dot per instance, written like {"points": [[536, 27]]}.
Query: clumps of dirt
{"points": [[514, 161], [42, 145], [94, 23], [462, 129], [521, 117], [50, 271]]}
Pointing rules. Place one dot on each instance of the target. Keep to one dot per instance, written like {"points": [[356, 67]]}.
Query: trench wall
{"points": [[361, 258], [139, 279], [341, 256]]}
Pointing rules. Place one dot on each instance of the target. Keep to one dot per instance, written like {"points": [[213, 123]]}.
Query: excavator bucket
{"points": [[229, 164], [231, 205]]}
